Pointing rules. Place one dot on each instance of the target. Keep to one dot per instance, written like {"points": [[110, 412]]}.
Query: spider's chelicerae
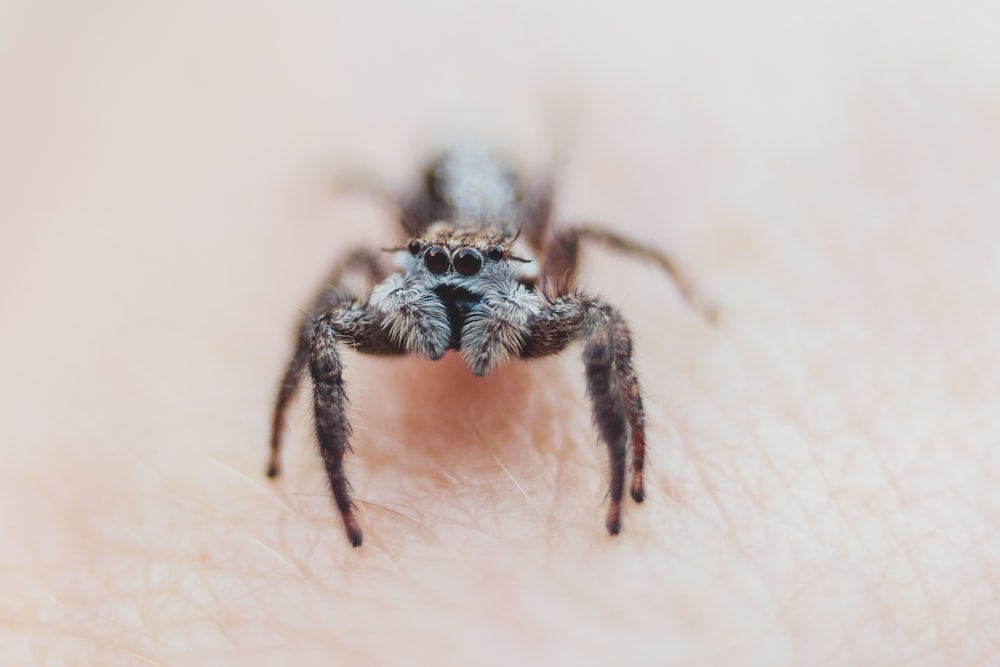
{"points": [[481, 272]]}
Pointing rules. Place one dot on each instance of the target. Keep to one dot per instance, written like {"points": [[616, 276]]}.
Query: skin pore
{"points": [[822, 474]]}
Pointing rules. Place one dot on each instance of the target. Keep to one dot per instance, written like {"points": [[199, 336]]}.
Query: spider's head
{"points": [[463, 257]]}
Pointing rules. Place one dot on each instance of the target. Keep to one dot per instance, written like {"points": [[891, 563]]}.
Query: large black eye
{"points": [[495, 253], [436, 259], [468, 262]]}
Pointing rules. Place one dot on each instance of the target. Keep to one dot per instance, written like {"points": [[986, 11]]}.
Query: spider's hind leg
{"points": [[562, 257]]}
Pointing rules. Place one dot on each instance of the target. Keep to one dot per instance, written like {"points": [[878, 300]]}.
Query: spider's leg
{"points": [[611, 382], [415, 211], [562, 260], [361, 328], [360, 260], [536, 212]]}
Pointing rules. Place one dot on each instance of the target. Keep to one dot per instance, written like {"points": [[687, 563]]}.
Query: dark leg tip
{"points": [[353, 529], [638, 490], [614, 522], [272, 471]]}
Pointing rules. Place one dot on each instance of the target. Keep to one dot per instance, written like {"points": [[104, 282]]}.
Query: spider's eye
{"points": [[414, 247], [468, 262], [495, 253], [436, 259]]}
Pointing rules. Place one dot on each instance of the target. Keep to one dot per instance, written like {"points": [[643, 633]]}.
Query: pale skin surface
{"points": [[823, 483]]}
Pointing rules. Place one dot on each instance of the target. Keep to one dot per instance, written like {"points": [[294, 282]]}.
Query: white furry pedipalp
{"points": [[496, 328], [414, 317]]}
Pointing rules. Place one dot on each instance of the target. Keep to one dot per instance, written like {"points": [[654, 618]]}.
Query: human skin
{"points": [[824, 461]]}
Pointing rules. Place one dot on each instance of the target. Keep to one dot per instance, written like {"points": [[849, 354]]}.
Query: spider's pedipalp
{"points": [[495, 329], [414, 318]]}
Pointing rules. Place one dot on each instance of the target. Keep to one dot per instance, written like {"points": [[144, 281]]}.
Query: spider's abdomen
{"points": [[458, 302]]}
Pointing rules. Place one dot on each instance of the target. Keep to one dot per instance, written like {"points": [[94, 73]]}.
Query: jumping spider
{"points": [[482, 273]]}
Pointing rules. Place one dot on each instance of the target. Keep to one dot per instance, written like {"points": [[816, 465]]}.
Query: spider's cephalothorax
{"points": [[481, 273]]}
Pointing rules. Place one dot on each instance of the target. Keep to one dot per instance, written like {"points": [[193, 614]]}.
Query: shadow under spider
{"points": [[437, 418]]}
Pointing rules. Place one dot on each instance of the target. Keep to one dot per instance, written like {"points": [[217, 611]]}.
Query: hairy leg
{"points": [[561, 262], [360, 260], [361, 328], [611, 382], [332, 427], [396, 319], [536, 212]]}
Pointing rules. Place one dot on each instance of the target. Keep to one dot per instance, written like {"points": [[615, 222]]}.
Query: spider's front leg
{"points": [[334, 318], [361, 328], [611, 382], [331, 297]]}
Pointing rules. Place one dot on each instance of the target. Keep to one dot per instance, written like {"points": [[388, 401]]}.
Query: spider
{"points": [[480, 272]]}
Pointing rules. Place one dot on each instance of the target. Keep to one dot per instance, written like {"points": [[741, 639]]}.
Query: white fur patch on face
{"points": [[497, 327], [415, 318]]}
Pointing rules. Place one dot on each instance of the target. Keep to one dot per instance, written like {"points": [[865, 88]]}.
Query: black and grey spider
{"points": [[482, 273]]}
